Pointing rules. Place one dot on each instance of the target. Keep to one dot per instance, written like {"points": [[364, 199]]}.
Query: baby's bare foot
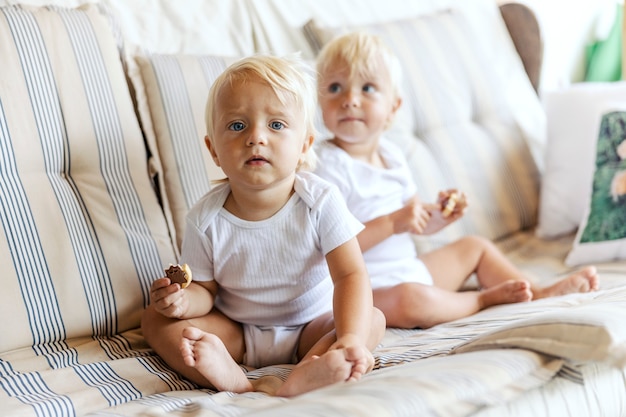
{"points": [[506, 293], [319, 371], [207, 354], [583, 280]]}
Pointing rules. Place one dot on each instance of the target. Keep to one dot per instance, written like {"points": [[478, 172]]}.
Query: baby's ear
{"points": [[395, 105], [307, 158], [308, 142], [209, 145]]}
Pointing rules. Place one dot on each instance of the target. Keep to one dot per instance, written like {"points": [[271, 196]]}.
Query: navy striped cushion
{"points": [[173, 90], [82, 232]]}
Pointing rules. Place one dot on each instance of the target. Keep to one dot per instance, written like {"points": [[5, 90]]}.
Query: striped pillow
{"points": [[457, 126], [82, 234], [172, 91]]}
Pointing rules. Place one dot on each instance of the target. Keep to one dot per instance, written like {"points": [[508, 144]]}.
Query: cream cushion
{"points": [[456, 134], [82, 235]]}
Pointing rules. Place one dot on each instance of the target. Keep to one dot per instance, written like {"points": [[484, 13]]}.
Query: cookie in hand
{"points": [[448, 208], [180, 274]]}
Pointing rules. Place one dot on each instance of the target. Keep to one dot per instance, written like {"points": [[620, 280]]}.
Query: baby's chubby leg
{"points": [[164, 335], [208, 355]]}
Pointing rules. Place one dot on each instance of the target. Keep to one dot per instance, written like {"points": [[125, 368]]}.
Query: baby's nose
{"points": [[257, 136], [351, 100]]}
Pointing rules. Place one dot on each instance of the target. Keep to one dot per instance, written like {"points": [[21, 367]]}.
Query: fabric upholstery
{"points": [[574, 334], [172, 91], [82, 232]]}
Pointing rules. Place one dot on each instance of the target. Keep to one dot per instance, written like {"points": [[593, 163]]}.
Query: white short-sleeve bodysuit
{"points": [[271, 272]]}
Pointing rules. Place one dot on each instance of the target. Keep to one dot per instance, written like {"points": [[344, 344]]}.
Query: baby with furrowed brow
{"points": [[359, 80], [278, 275]]}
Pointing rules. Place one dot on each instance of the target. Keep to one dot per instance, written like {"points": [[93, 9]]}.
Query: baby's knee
{"points": [[474, 243], [415, 303], [379, 323], [414, 294]]}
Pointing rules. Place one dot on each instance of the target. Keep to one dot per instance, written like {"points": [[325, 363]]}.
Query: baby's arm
{"points": [[171, 301], [352, 305], [412, 218]]}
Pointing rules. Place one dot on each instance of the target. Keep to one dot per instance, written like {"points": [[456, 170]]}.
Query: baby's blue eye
{"points": [[369, 88], [334, 87], [236, 126], [276, 125]]}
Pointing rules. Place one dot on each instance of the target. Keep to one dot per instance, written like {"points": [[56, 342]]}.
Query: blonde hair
{"points": [[287, 76], [362, 52]]}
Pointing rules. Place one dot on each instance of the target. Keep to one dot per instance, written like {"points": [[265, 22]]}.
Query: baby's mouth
{"points": [[256, 159]]}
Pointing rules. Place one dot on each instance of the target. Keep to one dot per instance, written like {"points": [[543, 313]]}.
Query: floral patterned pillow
{"points": [[602, 235]]}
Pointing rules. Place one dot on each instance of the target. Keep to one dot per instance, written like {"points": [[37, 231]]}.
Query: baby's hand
{"points": [[412, 218], [451, 206], [168, 298], [362, 362], [356, 353]]}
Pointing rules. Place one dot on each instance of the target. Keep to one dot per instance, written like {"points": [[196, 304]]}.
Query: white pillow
{"points": [[602, 235], [573, 122]]}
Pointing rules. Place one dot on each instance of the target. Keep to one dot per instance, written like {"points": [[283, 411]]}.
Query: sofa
{"points": [[101, 156]]}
